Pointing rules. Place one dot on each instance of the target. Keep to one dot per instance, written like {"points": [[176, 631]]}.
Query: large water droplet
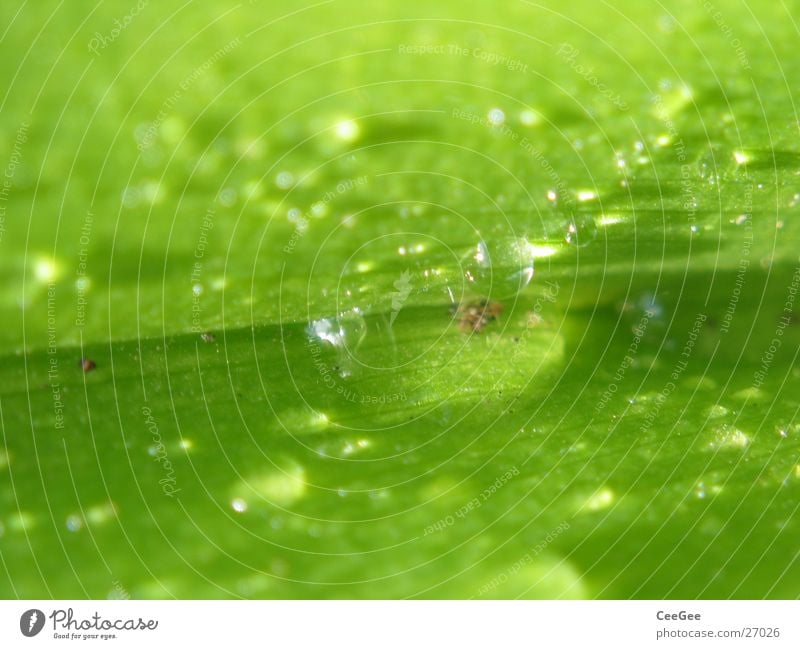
{"points": [[499, 269], [344, 333], [395, 273]]}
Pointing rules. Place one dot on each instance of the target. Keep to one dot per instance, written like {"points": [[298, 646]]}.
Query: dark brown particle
{"points": [[87, 364]]}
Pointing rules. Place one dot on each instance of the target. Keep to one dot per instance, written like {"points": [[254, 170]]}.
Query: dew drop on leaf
{"points": [[344, 333], [581, 230], [499, 269]]}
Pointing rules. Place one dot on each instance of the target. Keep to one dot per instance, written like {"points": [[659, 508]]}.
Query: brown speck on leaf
{"points": [[474, 316], [87, 364], [207, 337]]}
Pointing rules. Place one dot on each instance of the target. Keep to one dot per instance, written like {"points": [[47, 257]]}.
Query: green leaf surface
{"points": [[399, 300]]}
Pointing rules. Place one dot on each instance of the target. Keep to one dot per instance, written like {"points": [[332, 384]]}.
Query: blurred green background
{"points": [[258, 221]]}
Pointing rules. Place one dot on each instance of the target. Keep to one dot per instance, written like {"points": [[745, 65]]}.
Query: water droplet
{"points": [[496, 117], [716, 411], [728, 436], [788, 430], [344, 333], [581, 230], [319, 209], [741, 219], [700, 492], [499, 269], [227, 197], [284, 180], [708, 165], [74, 523]]}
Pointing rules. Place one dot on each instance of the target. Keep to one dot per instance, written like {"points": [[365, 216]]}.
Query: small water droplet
{"points": [[581, 230], [496, 117], [74, 523], [728, 436], [227, 197], [786, 430], [284, 180], [700, 492], [319, 209], [709, 165], [716, 411]]}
